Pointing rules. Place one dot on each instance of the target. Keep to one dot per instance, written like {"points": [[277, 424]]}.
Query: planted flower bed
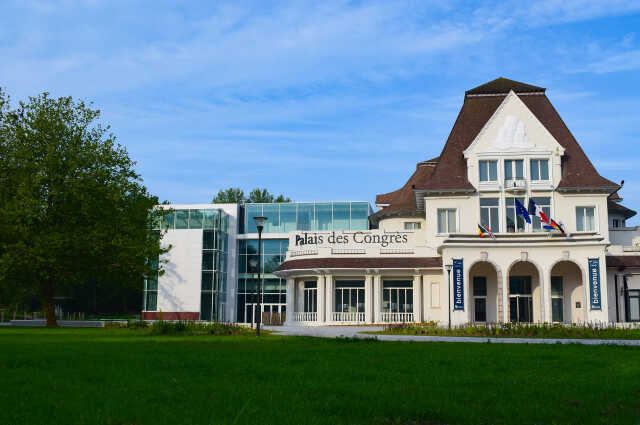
{"points": [[517, 330]]}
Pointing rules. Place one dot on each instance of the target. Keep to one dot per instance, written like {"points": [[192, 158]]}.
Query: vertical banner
{"points": [[458, 285], [594, 283]]}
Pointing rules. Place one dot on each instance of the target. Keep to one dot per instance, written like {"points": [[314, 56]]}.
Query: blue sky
{"points": [[328, 100]]}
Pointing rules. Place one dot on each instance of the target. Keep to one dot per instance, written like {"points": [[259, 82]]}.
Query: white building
{"points": [[420, 257]]}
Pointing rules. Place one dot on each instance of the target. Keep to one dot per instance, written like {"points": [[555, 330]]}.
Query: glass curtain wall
{"points": [[273, 288], [214, 272], [150, 300], [283, 218]]}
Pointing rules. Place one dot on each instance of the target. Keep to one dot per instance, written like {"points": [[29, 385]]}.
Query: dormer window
{"points": [[488, 171], [539, 169], [513, 169]]}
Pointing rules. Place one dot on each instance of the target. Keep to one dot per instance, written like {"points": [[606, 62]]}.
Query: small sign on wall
{"points": [[594, 283], [458, 285]]}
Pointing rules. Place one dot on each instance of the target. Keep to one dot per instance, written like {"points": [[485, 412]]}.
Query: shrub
{"points": [[530, 330]]}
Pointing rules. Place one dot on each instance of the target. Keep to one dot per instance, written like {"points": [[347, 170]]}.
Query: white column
{"points": [[290, 300], [321, 299], [505, 297], [417, 298], [368, 299], [544, 286], [328, 298], [377, 298]]}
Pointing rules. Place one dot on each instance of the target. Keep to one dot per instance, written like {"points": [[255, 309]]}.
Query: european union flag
{"points": [[521, 210]]}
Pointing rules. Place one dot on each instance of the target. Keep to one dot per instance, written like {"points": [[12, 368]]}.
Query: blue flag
{"points": [[521, 210]]}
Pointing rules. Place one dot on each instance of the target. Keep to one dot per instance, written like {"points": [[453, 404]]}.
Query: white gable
{"points": [[513, 129]]}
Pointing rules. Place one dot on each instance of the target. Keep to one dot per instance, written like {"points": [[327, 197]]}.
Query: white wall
{"points": [[179, 286]]}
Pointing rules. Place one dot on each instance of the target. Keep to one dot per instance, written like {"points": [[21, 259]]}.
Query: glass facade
{"points": [[273, 288], [214, 266], [150, 300], [192, 219], [312, 216]]}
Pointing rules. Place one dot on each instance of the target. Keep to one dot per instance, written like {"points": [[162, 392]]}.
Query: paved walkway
{"points": [[357, 332]]}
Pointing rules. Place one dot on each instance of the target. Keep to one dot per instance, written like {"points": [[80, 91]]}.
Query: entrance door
{"points": [[520, 299], [633, 306], [273, 313]]}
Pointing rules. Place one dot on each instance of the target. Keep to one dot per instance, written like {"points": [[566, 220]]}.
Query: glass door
{"points": [[633, 306], [520, 299], [557, 299], [480, 299]]}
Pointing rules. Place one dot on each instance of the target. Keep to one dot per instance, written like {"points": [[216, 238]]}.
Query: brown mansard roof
{"points": [[361, 263], [617, 208], [578, 173], [401, 202], [504, 86]]}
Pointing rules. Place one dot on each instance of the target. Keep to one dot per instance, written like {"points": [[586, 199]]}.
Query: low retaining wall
{"points": [[66, 323]]}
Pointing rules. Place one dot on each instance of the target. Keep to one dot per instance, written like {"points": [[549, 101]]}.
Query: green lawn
{"points": [[120, 376]]}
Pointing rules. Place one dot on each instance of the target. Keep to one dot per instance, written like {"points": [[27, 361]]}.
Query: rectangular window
{"points": [[168, 220], [447, 221], [488, 171], [272, 212], [616, 223], [324, 214], [182, 219], [490, 213], [585, 219], [435, 294], [310, 293], [305, 216], [411, 225], [287, 217], [513, 169], [539, 169], [349, 297], [515, 223], [195, 219], [211, 219], [359, 216], [341, 215], [251, 210], [545, 204], [397, 296], [151, 290]]}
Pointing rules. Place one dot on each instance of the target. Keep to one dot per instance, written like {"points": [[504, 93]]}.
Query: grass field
{"points": [[120, 376]]}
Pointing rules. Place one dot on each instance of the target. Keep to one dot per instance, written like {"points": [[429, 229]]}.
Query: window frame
{"points": [[499, 208], [595, 219], [541, 180], [488, 181], [412, 225], [514, 169], [447, 230]]}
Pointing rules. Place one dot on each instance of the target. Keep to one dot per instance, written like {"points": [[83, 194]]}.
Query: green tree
{"points": [[263, 196], [233, 195], [73, 208]]}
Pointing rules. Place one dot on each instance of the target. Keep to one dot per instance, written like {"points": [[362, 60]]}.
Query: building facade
{"points": [[511, 223]]}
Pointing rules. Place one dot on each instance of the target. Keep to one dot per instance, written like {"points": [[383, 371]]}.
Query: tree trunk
{"points": [[49, 307]]}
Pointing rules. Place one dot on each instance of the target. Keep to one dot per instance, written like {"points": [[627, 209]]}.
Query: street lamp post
{"points": [[259, 225], [449, 267]]}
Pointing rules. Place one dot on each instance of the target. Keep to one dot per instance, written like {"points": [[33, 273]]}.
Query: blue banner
{"points": [[458, 285], [594, 283]]}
